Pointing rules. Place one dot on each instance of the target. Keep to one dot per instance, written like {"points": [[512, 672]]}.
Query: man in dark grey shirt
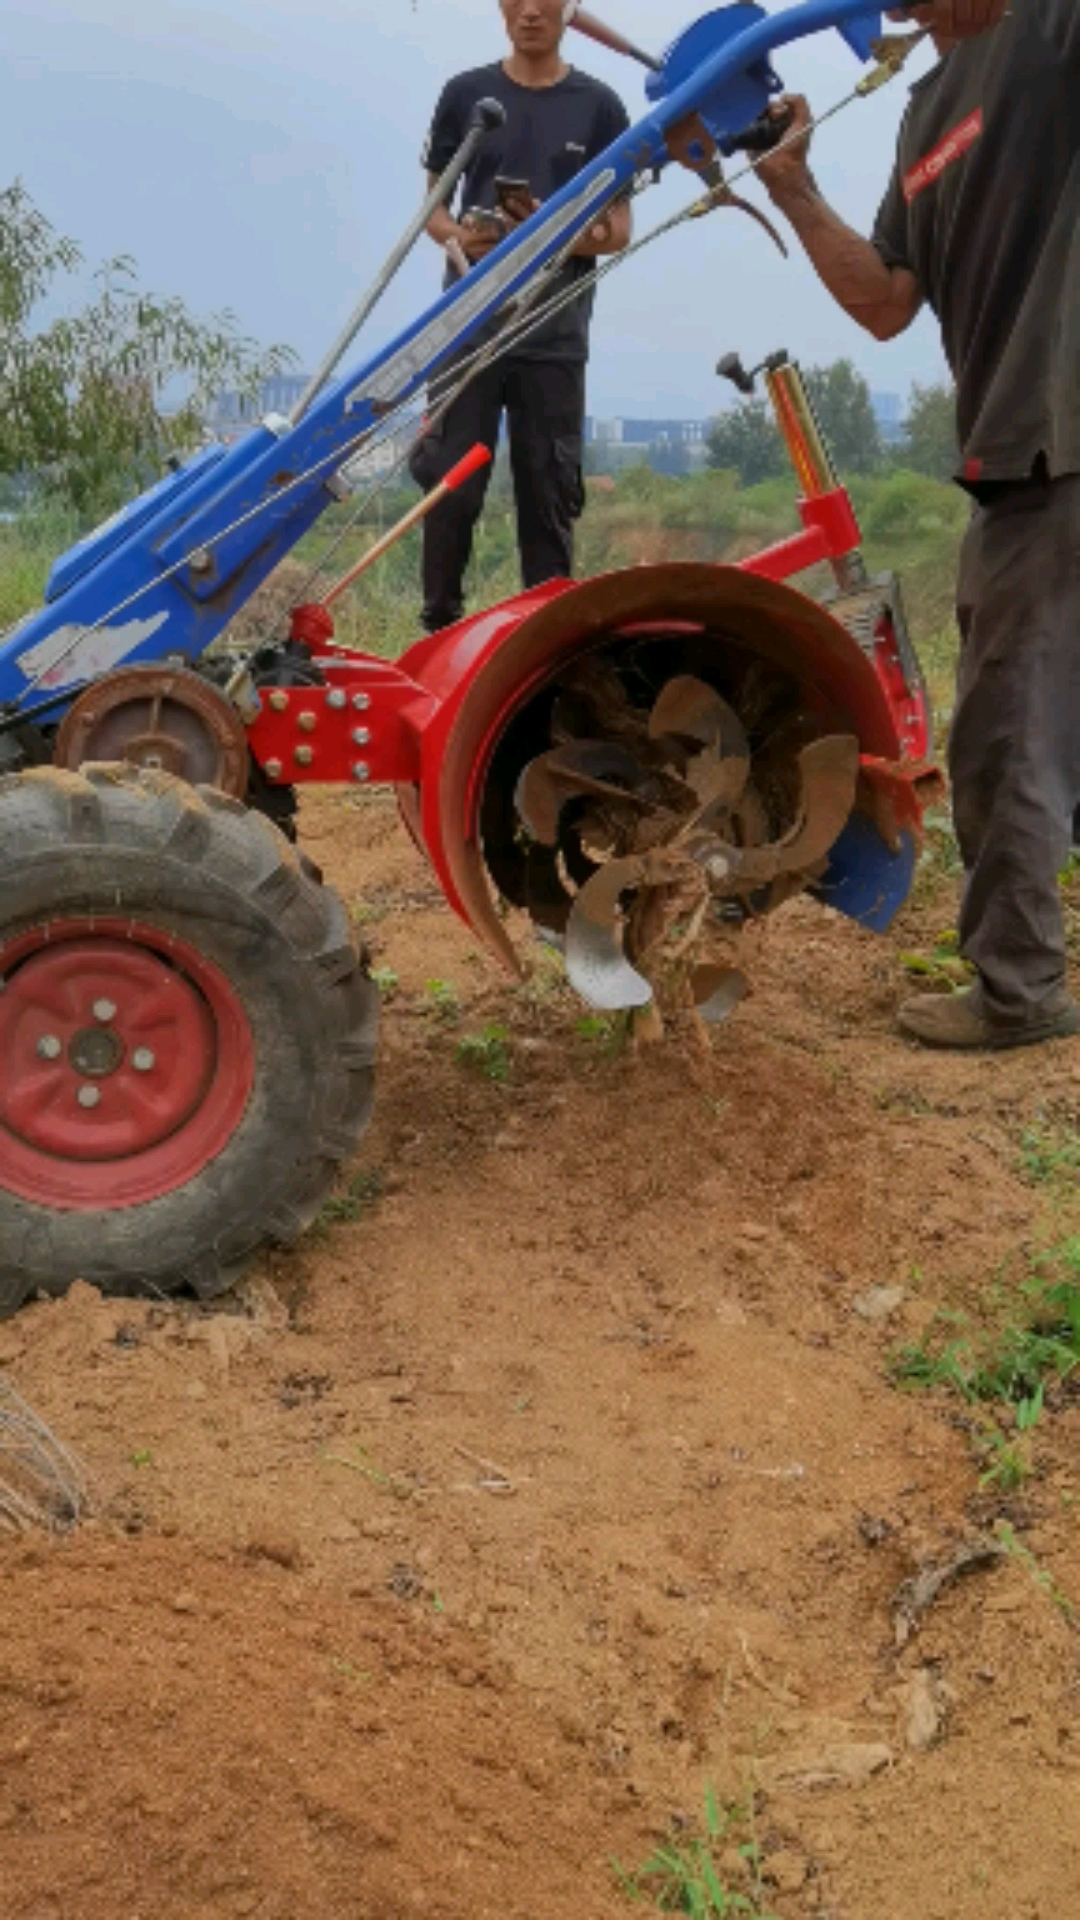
{"points": [[981, 221]]}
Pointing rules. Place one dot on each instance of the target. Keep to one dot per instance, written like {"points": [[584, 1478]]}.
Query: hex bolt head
{"points": [[361, 736], [306, 722], [272, 769], [717, 867], [361, 770], [143, 1060], [201, 561], [49, 1047], [89, 1096], [304, 756], [279, 701], [104, 1010], [361, 701], [335, 698]]}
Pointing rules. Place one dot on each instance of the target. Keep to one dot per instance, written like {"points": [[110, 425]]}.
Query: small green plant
{"points": [[488, 1051], [942, 964], [1049, 1153], [1015, 1363], [353, 1202], [386, 980], [443, 999], [683, 1876], [1043, 1578]]}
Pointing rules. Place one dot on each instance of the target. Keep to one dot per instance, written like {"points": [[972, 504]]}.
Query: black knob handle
{"points": [[763, 134], [488, 114]]}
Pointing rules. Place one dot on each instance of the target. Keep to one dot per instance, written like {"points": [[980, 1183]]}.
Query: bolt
{"points": [[201, 560], [104, 1011], [361, 770], [278, 700], [306, 722], [335, 698], [361, 736], [717, 867], [88, 1096], [304, 756], [143, 1060], [49, 1047], [272, 769], [361, 701]]}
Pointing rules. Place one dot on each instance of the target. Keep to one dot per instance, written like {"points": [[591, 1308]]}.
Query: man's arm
{"points": [[610, 234], [884, 299]]}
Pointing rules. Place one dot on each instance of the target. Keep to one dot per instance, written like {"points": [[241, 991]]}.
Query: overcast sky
{"points": [[265, 157]]}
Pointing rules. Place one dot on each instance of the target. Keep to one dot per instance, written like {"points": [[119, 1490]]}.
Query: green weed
{"points": [[353, 1202], [1047, 1153], [488, 1051], [1012, 1364], [1041, 1575], [683, 1876], [386, 980], [443, 999], [942, 965]]}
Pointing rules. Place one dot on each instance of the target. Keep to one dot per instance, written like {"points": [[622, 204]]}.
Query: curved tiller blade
{"points": [[595, 962], [580, 767], [717, 992], [689, 709]]}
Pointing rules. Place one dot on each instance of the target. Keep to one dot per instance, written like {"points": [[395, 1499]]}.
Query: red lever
{"points": [[480, 456]]}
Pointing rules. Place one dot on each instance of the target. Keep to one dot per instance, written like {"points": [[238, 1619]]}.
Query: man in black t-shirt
{"points": [[556, 120], [981, 221]]}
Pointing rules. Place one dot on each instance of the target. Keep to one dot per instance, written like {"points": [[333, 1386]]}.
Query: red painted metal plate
{"points": [[128, 1064]]}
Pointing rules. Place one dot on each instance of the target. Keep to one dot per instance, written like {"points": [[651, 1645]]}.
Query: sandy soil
{"points": [[559, 1476]]}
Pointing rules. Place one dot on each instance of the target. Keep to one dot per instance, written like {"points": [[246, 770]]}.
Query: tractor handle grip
{"points": [[763, 134], [479, 456]]}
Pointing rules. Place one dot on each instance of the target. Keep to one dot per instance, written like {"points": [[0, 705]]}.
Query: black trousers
{"points": [[1014, 745], [544, 403]]}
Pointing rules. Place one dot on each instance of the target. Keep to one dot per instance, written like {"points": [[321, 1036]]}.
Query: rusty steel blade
{"points": [[579, 767], [689, 709], [828, 773], [595, 962], [717, 992]]}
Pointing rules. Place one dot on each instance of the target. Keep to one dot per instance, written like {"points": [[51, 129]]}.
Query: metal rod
{"points": [[487, 114]]}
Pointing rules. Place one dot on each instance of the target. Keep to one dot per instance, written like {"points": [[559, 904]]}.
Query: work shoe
{"points": [[961, 1020]]}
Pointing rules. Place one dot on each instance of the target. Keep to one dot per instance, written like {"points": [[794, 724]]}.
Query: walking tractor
{"points": [[643, 763]]}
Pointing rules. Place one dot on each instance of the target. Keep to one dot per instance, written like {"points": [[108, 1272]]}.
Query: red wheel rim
{"points": [[128, 1063]]}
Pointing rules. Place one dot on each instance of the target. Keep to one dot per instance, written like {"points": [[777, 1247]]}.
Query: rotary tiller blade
{"points": [[717, 992], [687, 709], [595, 962], [828, 772], [577, 769]]}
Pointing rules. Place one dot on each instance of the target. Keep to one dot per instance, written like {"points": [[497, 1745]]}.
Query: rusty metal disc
{"points": [[165, 717]]}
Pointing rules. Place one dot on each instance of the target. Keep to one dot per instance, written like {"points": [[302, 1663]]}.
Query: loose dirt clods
{"points": [[556, 1484]]}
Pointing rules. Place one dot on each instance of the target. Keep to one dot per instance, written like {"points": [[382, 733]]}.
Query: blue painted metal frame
{"points": [[128, 592]]}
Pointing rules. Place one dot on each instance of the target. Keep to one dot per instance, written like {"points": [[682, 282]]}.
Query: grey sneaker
{"points": [[961, 1020]]}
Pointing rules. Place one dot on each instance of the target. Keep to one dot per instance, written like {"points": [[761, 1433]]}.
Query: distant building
{"points": [[232, 413], [671, 446], [889, 414]]}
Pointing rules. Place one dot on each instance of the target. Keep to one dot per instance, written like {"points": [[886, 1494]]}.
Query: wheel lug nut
{"points": [[104, 1011], [49, 1047], [143, 1060], [89, 1096]]}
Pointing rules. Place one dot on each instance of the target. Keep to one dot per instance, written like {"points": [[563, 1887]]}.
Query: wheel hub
{"points": [[163, 718], [128, 1062]]}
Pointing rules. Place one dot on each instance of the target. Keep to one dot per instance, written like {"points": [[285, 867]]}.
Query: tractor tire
{"points": [[187, 1035]]}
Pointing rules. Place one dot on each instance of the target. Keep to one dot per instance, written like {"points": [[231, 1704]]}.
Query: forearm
{"points": [[608, 235], [880, 298]]}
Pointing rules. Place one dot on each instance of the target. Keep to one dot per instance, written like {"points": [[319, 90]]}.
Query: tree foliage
{"points": [[93, 403], [841, 401], [745, 438], [930, 442]]}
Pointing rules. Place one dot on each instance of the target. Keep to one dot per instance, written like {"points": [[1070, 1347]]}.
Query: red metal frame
{"points": [[428, 722]]}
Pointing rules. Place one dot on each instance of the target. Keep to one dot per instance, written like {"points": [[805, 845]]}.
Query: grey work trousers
{"points": [[1014, 745]]}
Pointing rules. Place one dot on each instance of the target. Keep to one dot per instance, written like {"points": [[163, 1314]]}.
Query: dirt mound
{"points": [[561, 1474]]}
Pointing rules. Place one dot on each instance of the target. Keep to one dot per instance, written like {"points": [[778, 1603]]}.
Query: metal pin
{"points": [[89, 1096], [279, 701], [104, 1011], [361, 701], [143, 1060], [335, 698], [306, 722], [272, 769], [361, 736], [361, 770], [49, 1047], [304, 756]]}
